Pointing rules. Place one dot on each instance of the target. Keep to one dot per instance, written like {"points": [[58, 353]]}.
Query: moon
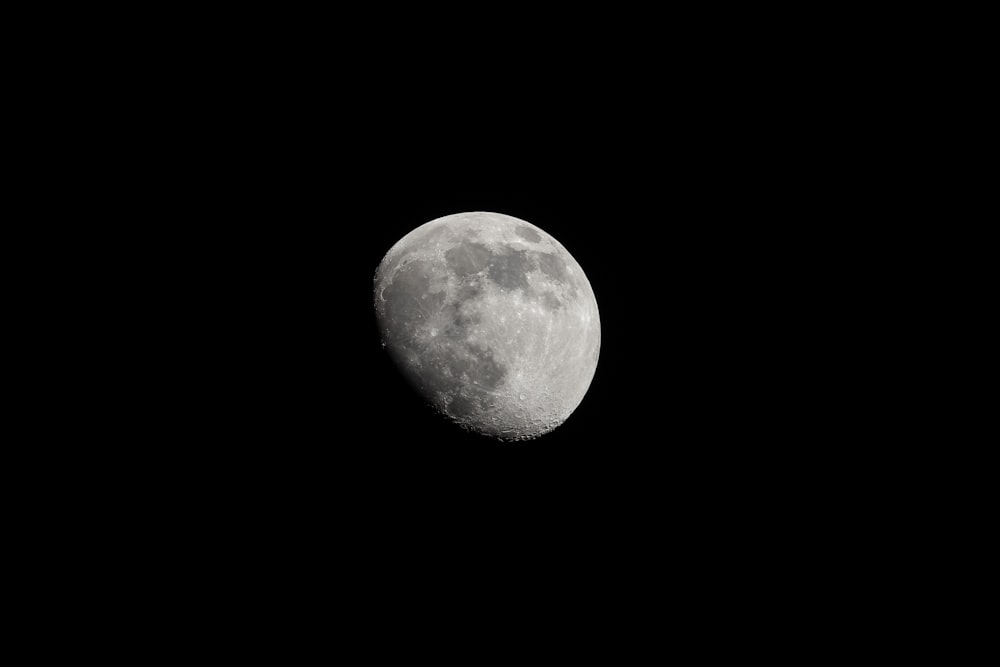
{"points": [[492, 321]]}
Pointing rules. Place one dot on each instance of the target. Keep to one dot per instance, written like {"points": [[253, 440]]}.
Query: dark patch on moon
{"points": [[479, 366], [551, 301], [552, 266], [465, 374], [468, 292], [555, 268], [408, 299], [528, 234], [460, 319], [460, 406], [467, 258], [510, 270]]}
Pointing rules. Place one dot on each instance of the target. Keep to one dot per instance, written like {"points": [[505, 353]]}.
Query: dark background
{"points": [[697, 210], [702, 464], [690, 231], [235, 458], [700, 190]]}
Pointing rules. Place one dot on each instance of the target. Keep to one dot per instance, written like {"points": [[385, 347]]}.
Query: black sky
{"points": [[694, 206], [702, 174], [685, 236]]}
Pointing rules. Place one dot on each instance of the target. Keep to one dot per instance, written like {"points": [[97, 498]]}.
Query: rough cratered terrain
{"points": [[492, 321]]}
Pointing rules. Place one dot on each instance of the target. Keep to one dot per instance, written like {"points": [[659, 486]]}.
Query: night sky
{"points": [[265, 451]]}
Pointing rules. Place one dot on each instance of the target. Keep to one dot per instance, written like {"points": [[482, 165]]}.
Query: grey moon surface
{"points": [[492, 321]]}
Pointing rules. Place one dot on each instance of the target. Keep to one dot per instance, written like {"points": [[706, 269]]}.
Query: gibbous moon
{"points": [[492, 321]]}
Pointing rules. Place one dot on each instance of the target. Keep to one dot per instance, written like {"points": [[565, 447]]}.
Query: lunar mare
{"points": [[492, 321]]}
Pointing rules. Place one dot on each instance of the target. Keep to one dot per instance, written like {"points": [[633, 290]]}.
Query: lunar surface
{"points": [[492, 321]]}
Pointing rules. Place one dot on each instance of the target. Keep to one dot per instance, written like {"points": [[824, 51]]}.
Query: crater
{"points": [[528, 234]]}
